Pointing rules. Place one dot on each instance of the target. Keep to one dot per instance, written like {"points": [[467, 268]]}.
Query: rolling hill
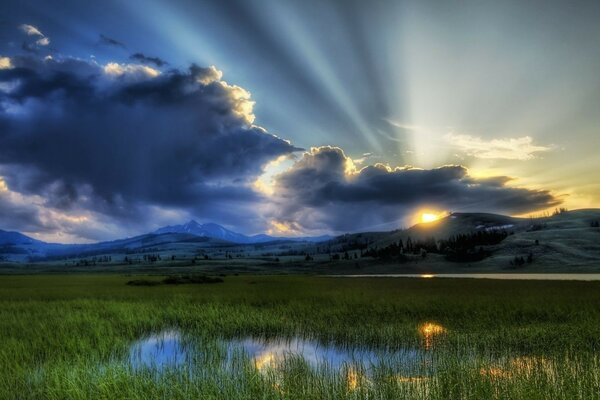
{"points": [[566, 239]]}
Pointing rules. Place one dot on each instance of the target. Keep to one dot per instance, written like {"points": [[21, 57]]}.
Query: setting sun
{"points": [[426, 217]]}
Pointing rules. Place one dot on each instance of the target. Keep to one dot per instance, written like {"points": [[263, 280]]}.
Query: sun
{"points": [[427, 217]]}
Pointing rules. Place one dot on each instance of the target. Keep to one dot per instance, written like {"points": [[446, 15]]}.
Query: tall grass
{"points": [[68, 337]]}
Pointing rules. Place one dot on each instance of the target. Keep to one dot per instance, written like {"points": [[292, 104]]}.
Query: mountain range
{"points": [[564, 241], [15, 246]]}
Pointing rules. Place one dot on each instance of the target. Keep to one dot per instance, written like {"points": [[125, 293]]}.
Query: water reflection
{"points": [[169, 350], [353, 379], [520, 366], [358, 367], [272, 353], [430, 331], [158, 351]]}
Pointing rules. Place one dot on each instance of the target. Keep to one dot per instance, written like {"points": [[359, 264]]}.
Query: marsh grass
{"points": [[68, 337]]}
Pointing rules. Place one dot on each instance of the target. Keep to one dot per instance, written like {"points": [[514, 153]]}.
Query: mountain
{"points": [[216, 231], [210, 230]]}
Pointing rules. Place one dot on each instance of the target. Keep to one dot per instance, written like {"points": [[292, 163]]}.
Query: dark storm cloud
{"points": [[111, 42], [140, 57], [114, 139], [324, 189]]}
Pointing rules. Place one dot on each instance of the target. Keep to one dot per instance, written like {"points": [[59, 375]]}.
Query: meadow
{"points": [[69, 337]]}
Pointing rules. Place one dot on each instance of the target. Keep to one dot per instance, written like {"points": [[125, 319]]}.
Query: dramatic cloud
{"points": [[325, 190], [116, 139], [16, 214], [105, 40], [30, 214], [509, 149], [148, 60]]}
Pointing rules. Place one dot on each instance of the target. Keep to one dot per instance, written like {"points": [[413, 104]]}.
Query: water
{"points": [[159, 351], [169, 350], [552, 277], [220, 359], [270, 354]]}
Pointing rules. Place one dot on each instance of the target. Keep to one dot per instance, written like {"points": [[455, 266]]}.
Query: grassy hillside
{"points": [[564, 242]]}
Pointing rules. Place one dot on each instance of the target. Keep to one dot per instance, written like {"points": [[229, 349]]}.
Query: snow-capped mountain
{"points": [[211, 230], [216, 231]]}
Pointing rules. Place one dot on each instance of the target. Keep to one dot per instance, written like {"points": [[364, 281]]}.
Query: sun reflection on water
{"points": [[355, 379], [265, 361], [429, 331]]}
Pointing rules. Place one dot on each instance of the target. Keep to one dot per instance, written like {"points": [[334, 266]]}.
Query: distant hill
{"points": [[16, 238]]}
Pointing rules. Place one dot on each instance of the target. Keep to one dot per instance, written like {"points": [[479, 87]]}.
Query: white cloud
{"points": [[505, 148], [135, 70], [211, 74], [31, 30], [43, 41]]}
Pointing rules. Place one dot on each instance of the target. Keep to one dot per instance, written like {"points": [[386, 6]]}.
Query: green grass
{"points": [[67, 336]]}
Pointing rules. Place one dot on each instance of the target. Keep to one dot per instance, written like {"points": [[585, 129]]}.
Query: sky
{"points": [[292, 117]]}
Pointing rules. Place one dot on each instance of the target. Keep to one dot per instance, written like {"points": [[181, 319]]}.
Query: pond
{"points": [[220, 360], [171, 349], [159, 350]]}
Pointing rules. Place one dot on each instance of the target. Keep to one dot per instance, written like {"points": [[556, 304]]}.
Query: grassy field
{"points": [[67, 337]]}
